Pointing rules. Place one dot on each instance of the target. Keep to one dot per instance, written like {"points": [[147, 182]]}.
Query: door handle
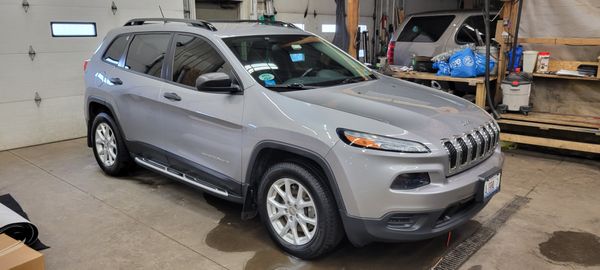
{"points": [[172, 96], [115, 81]]}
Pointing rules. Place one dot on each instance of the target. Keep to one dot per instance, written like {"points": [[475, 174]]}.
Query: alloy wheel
{"points": [[292, 212], [106, 144]]}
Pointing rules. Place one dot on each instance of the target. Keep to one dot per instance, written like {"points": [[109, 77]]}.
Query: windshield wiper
{"points": [[291, 86], [354, 79]]}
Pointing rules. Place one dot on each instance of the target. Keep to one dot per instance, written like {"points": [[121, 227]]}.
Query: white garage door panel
{"points": [[55, 119], [13, 84], [57, 70]]}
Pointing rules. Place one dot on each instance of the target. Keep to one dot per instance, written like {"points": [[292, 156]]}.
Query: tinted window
{"points": [[115, 50], [425, 29], [467, 32], [193, 57], [147, 53]]}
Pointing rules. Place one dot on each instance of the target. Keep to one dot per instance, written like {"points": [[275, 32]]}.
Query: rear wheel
{"points": [[108, 146], [299, 211]]}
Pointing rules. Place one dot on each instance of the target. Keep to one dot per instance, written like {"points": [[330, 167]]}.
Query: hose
{"points": [[488, 94]]}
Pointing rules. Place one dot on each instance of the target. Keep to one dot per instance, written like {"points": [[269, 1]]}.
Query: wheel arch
{"points": [[268, 152], [94, 107]]}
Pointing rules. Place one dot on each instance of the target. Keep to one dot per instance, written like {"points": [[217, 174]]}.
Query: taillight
{"points": [[85, 63], [390, 52]]}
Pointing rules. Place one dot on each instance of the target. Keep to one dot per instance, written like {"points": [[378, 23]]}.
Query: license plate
{"points": [[491, 185]]}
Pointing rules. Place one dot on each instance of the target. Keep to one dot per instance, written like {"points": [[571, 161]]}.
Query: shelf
{"points": [[432, 76], [562, 41], [554, 143], [554, 76], [555, 119], [544, 126]]}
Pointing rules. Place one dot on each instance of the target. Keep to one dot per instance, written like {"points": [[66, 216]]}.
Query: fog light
{"points": [[411, 180]]}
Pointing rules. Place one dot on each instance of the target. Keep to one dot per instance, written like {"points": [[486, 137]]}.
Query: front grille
{"points": [[466, 150]]}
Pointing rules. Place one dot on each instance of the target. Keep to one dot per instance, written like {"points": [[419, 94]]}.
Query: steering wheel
{"points": [[307, 72]]}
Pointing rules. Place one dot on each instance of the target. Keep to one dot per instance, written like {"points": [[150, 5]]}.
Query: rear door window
{"points": [[468, 31], [194, 56], [115, 50], [147, 52], [425, 28]]}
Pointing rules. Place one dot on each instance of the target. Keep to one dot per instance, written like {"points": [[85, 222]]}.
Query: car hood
{"points": [[415, 108]]}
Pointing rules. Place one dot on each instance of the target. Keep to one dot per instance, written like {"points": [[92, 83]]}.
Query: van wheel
{"points": [[108, 146], [299, 211]]}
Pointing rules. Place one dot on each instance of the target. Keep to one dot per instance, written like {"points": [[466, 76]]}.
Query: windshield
{"points": [[296, 61]]}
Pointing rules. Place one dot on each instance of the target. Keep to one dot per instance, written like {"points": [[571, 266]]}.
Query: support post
{"points": [[352, 25]]}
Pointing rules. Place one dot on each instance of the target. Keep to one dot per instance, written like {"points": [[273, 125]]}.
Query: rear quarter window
{"points": [[425, 28], [467, 33], [115, 50]]}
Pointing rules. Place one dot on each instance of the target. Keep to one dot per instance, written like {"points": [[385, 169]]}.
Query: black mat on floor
{"points": [[11, 203]]}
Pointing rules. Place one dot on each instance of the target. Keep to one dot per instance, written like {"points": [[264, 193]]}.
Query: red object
{"points": [[449, 239], [85, 63], [544, 53], [515, 83], [390, 52]]}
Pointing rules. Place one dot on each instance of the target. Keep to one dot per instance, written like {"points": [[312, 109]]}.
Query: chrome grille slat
{"points": [[468, 149]]}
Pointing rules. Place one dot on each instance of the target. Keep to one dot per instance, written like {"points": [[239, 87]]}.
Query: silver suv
{"points": [[283, 122]]}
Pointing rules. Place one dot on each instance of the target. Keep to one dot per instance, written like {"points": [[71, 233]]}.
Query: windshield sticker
{"points": [[266, 77], [296, 47], [270, 83], [297, 57]]}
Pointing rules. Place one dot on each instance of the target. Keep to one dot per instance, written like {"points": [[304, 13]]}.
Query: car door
{"points": [[136, 89], [202, 130]]}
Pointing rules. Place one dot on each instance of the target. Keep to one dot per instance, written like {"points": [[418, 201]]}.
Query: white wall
{"points": [[56, 72], [293, 11]]}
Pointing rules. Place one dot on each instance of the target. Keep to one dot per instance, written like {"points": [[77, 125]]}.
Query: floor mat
{"points": [[8, 201]]}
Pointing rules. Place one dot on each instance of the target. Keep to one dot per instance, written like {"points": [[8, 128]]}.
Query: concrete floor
{"points": [[146, 221]]}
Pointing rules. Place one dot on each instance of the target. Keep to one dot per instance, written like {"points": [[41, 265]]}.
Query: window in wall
{"points": [[193, 57], [115, 50], [425, 28], [328, 28], [73, 29], [468, 31], [147, 53], [299, 25], [363, 28]]}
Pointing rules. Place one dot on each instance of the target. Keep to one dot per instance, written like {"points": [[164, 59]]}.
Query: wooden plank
{"points": [[352, 25], [554, 143], [559, 119], [544, 126], [556, 65], [562, 41], [480, 95], [431, 76], [554, 76]]}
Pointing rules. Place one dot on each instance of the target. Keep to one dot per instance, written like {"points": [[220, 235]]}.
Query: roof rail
{"points": [[273, 23], [197, 23]]}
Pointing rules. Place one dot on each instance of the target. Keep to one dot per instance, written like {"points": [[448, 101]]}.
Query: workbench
{"points": [[478, 82]]}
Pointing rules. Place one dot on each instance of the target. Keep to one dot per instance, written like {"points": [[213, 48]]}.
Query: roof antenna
{"points": [[161, 12]]}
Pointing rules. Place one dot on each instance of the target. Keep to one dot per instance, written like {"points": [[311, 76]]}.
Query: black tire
{"points": [[122, 163], [329, 231]]}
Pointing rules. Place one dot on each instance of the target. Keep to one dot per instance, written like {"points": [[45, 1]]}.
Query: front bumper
{"points": [[375, 212]]}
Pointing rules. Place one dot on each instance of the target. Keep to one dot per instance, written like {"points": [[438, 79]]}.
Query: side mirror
{"points": [[216, 82]]}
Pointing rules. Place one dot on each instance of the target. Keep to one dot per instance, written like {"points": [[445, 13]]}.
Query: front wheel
{"points": [[299, 211]]}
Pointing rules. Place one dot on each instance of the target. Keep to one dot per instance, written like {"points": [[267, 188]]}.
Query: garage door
{"points": [[56, 72]]}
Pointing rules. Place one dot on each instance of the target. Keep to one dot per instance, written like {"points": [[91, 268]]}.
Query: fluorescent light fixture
{"points": [[299, 25], [73, 29], [328, 28]]}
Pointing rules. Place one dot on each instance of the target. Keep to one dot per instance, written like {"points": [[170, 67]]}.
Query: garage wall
{"points": [[293, 12], [56, 72]]}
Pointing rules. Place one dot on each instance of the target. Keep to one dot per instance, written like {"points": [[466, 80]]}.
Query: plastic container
{"points": [[529, 60], [542, 62], [516, 89]]}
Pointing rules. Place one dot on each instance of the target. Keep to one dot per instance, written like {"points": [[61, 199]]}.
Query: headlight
{"points": [[371, 141]]}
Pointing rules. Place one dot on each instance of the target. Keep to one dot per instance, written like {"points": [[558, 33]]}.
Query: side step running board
{"points": [[179, 175]]}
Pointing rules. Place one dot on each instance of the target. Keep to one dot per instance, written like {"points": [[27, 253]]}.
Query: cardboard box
{"points": [[15, 255]]}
